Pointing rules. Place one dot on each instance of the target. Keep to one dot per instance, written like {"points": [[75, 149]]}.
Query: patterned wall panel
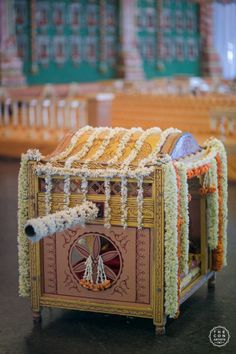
{"points": [[74, 40], [168, 37]]}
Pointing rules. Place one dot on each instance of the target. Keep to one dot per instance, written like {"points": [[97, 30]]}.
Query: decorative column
{"points": [[130, 65], [210, 62], [10, 64]]}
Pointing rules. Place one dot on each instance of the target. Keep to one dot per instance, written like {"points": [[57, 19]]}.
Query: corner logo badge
{"points": [[219, 336]]}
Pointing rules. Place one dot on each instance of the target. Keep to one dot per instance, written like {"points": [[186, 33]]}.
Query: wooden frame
{"points": [[156, 308]]}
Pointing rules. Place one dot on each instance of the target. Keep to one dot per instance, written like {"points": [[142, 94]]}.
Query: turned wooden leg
{"points": [[212, 282], [160, 327], [37, 316], [160, 330]]}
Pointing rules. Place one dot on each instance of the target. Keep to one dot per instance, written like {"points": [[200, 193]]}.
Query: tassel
{"points": [[88, 273], [101, 275]]}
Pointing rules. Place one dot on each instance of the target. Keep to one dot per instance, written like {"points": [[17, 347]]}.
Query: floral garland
{"points": [[106, 141], [23, 199], [67, 190], [48, 189], [123, 143], [151, 159], [96, 173], [185, 219], [219, 254], [140, 202], [224, 185], [38, 228], [107, 212], [171, 240], [84, 186], [179, 226], [86, 147], [221, 159], [212, 205], [72, 144], [124, 198], [138, 146], [212, 185], [198, 170]]}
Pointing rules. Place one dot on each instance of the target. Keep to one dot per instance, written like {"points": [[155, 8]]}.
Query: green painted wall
{"points": [[66, 30], [69, 33], [179, 49]]}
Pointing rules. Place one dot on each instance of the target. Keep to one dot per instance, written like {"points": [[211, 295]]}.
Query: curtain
{"points": [[224, 36]]}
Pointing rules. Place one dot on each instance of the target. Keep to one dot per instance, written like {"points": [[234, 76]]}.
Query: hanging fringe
{"points": [[107, 211]]}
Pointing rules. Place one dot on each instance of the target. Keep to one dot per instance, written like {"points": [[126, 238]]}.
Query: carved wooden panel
{"points": [[49, 264], [95, 187], [58, 203], [126, 260]]}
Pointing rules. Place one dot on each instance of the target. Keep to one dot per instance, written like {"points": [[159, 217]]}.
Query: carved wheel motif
{"points": [[95, 261]]}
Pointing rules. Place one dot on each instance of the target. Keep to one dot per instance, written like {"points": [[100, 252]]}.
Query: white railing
{"points": [[51, 115], [223, 121]]}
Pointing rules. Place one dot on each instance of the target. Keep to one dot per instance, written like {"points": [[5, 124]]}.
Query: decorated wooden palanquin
{"points": [[160, 230]]}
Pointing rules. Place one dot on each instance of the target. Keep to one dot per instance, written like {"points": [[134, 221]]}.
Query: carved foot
{"points": [[37, 316], [160, 330], [212, 282]]}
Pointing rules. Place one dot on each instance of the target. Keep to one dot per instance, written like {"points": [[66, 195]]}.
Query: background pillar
{"points": [[130, 65], [210, 62], [10, 65]]}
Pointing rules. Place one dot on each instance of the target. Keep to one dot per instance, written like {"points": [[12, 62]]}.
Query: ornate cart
{"points": [[159, 231]]}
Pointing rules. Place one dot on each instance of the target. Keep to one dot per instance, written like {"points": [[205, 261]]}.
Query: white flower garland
{"points": [[213, 147], [38, 228], [124, 198], [84, 187], [48, 196], [95, 173], [86, 147], [151, 159], [224, 183], [107, 211], [23, 200], [106, 141], [185, 218], [171, 240], [72, 144], [219, 147], [67, 190], [213, 208], [140, 202], [138, 146], [32, 155], [122, 145]]}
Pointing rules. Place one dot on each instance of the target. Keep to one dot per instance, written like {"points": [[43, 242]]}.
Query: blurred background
{"points": [[65, 64]]}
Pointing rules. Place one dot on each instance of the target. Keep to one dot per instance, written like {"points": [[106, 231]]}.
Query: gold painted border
{"points": [[60, 301]]}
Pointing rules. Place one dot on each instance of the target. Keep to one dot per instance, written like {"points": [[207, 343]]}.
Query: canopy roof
{"points": [[121, 147]]}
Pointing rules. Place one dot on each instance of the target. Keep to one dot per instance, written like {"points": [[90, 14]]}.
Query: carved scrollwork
{"points": [[70, 283], [68, 235], [140, 266], [121, 287], [122, 239]]}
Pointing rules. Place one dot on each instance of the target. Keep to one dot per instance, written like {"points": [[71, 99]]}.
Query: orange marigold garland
{"points": [[198, 171], [179, 225], [207, 190], [218, 253]]}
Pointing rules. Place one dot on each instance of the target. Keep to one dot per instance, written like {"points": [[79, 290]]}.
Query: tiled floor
{"points": [[86, 333]]}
